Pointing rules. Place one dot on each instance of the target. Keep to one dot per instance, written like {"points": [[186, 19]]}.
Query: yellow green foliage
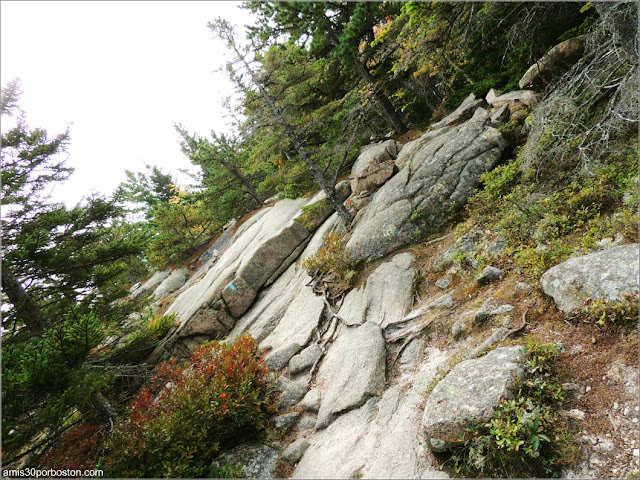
{"points": [[179, 228]]}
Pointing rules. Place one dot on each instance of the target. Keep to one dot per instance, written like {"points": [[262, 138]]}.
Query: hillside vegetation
{"points": [[316, 82]]}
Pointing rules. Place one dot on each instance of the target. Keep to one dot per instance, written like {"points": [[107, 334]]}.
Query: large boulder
{"points": [[469, 395], [517, 100], [374, 166], [559, 59], [276, 299], [348, 384], [609, 275], [387, 296], [440, 174]]}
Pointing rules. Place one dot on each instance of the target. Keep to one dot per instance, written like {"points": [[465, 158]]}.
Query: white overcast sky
{"points": [[119, 74]]}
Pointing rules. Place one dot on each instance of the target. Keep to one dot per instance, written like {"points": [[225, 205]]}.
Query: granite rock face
{"points": [[347, 385], [173, 282], [440, 172], [469, 393], [150, 285], [609, 275], [387, 296]]}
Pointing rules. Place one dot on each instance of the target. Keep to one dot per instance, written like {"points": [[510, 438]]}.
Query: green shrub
{"points": [[332, 264], [520, 440], [622, 312], [177, 424], [141, 343]]}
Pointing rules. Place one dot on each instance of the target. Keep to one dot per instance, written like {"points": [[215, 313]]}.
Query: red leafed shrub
{"points": [[77, 449], [187, 414]]}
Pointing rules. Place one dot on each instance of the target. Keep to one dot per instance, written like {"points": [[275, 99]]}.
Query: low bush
{"points": [[331, 264], [546, 221], [522, 439], [622, 312], [186, 415], [78, 448]]}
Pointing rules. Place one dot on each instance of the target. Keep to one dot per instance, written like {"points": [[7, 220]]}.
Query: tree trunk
{"points": [[25, 306], [245, 183], [390, 113]]}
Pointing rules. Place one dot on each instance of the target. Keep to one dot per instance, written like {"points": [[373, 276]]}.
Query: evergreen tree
{"points": [[53, 257], [224, 31], [339, 30]]}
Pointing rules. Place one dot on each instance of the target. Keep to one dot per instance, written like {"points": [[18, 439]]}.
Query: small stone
{"points": [[442, 302], [483, 312], [307, 423], [570, 388], [292, 394], [458, 329], [587, 389], [311, 401], [626, 411], [287, 420], [575, 413], [438, 445], [279, 358], [444, 282], [616, 405], [489, 275], [293, 453], [636, 452], [305, 359], [489, 309], [523, 287]]}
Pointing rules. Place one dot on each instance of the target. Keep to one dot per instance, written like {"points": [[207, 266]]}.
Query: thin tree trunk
{"points": [[25, 306], [390, 113], [243, 180]]}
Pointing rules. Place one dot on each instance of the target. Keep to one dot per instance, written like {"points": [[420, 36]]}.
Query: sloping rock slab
{"points": [[609, 274], [464, 112], [469, 394], [440, 174], [151, 284], [200, 308], [353, 370], [257, 461], [298, 322], [268, 310], [387, 296], [381, 439], [170, 284]]}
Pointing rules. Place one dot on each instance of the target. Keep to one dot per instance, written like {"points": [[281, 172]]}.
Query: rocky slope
{"points": [[363, 389]]}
